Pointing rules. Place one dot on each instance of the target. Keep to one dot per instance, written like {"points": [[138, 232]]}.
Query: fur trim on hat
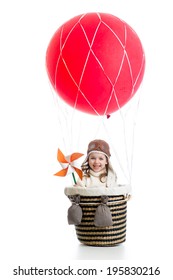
{"points": [[95, 151]]}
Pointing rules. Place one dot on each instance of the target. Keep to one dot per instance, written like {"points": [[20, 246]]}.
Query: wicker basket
{"points": [[89, 234]]}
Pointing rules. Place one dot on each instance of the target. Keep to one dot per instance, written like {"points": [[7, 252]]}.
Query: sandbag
{"points": [[75, 212], [103, 216]]}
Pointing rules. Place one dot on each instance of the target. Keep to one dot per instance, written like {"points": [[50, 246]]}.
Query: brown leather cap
{"points": [[100, 146]]}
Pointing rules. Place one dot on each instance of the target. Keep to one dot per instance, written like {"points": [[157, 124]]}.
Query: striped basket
{"points": [[89, 234]]}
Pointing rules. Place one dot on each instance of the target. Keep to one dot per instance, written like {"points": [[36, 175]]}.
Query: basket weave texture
{"points": [[89, 234]]}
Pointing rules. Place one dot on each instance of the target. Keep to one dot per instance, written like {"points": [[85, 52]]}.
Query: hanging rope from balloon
{"points": [[95, 63]]}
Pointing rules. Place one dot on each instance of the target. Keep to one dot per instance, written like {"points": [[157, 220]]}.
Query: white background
{"points": [[34, 229]]}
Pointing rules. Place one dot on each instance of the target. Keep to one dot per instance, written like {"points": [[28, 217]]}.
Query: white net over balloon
{"points": [[98, 62], [77, 129]]}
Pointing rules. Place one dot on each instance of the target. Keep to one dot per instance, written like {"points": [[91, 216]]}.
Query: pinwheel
{"points": [[69, 164]]}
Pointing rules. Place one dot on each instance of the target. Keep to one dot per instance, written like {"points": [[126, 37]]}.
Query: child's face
{"points": [[97, 161]]}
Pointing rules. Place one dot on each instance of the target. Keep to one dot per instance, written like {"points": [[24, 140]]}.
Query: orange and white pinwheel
{"points": [[69, 164]]}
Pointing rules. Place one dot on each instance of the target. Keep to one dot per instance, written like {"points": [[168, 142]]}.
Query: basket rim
{"points": [[97, 191]]}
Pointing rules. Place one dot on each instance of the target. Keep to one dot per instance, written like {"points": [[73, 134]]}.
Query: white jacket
{"points": [[110, 181]]}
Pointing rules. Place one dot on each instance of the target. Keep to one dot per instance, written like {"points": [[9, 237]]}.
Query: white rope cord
{"points": [[60, 115], [117, 101], [113, 92], [61, 56]]}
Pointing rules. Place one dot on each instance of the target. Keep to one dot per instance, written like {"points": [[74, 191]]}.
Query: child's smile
{"points": [[97, 161]]}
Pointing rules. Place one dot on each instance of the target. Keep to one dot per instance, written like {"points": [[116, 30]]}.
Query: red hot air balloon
{"points": [[95, 63]]}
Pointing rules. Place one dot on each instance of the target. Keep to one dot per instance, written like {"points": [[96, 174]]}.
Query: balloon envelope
{"points": [[95, 63]]}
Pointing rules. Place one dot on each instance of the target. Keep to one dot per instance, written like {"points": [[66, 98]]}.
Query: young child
{"points": [[97, 169]]}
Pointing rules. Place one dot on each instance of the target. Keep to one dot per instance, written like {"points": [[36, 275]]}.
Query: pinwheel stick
{"points": [[74, 178]]}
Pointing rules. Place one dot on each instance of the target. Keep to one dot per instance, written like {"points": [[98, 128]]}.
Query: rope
{"points": [[70, 130]]}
